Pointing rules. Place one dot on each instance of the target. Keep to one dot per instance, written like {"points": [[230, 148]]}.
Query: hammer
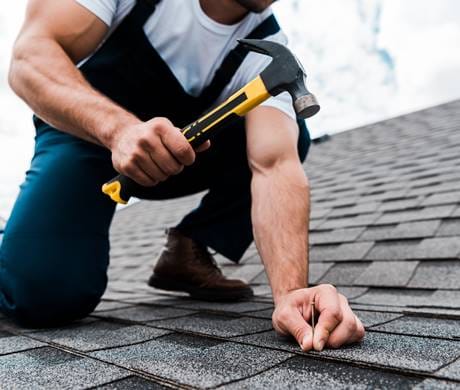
{"points": [[284, 73]]}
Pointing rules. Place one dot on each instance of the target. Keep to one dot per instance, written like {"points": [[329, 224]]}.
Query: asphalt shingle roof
{"points": [[385, 229]]}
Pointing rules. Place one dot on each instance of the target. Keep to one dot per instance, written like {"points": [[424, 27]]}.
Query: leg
{"points": [[55, 250]]}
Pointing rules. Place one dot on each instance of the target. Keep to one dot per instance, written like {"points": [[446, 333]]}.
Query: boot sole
{"points": [[208, 294]]}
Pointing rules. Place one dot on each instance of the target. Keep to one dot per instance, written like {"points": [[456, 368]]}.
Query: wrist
{"points": [[111, 129]]}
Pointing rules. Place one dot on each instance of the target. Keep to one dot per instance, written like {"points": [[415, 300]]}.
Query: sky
{"points": [[366, 60]]}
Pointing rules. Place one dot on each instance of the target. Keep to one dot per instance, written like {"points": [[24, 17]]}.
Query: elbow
{"points": [[14, 71]]}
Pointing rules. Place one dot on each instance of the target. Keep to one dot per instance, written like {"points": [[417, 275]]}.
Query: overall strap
{"points": [[235, 57], [141, 11]]}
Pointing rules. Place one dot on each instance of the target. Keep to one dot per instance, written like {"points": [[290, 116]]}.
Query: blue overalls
{"points": [[55, 250]]}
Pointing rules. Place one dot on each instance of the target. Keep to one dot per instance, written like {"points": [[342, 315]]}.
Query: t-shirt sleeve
{"points": [[103, 9], [254, 64]]}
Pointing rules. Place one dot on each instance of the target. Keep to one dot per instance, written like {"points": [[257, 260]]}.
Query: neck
{"points": [[223, 11]]}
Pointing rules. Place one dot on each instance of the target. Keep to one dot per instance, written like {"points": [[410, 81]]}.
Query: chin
{"points": [[255, 5]]}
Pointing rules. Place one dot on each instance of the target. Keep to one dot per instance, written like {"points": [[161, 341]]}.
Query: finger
{"points": [[330, 315], [204, 146], [151, 168], [346, 331], [136, 173], [291, 321], [165, 160], [178, 146]]}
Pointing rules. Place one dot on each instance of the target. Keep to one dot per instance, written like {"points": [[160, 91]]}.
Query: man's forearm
{"points": [[280, 215], [58, 93]]}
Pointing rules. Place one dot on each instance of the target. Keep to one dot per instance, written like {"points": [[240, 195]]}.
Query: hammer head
{"points": [[284, 73]]}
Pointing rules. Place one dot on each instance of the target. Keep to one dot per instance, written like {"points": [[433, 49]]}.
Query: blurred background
{"points": [[367, 60]]}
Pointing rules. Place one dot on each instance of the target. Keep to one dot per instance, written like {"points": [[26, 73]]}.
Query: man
{"points": [[144, 69]]}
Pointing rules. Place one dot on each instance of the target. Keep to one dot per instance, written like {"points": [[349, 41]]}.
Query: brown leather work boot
{"points": [[185, 265]]}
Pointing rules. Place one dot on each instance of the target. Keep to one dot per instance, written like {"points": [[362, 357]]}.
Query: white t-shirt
{"points": [[194, 45]]}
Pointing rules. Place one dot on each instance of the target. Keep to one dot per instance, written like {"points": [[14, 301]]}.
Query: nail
{"points": [[304, 342], [313, 319], [321, 345]]}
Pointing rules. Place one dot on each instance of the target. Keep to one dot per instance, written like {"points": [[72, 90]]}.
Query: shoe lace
{"points": [[204, 256]]}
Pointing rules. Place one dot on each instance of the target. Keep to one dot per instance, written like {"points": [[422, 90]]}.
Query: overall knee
{"points": [[46, 302], [48, 289], [49, 280]]}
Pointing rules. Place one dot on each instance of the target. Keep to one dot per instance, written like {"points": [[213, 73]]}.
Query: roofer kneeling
{"points": [[111, 82]]}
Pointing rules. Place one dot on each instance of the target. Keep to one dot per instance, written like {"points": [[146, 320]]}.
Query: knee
{"points": [[47, 304], [44, 285], [49, 297]]}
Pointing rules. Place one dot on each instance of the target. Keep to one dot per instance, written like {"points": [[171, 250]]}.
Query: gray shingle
{"points": [[438, 248], [452, 371], [411, 298], [360, 208], [111, 305], [449, 227], [372, 318], [387, 273], [318, 212], [337, 236], [416, 214], [316, 270], [99, 335], [344, 274], [229, 307], [393, 250], [437, 274], [417, 229], [445, 298], [194, 361], [422, 326], [359, 220], [267, 313], [376, 233], [456, 212], [49, 368], [442, 198], [352, 292], [343, 252], [143, 313], [215, 325], [10, 343], [246, 272], [396, 297], [303, 373], [399, 204]]}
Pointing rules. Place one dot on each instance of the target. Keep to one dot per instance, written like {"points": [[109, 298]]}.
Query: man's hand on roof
{"points": [[336, 323], [150, 152]]}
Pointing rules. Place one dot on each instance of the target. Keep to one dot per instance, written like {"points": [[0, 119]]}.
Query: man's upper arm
{"points": [[77, 30], [271, 137]]}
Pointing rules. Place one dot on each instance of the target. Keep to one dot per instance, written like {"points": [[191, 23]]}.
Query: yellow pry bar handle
{"points": [[121, 188]]}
